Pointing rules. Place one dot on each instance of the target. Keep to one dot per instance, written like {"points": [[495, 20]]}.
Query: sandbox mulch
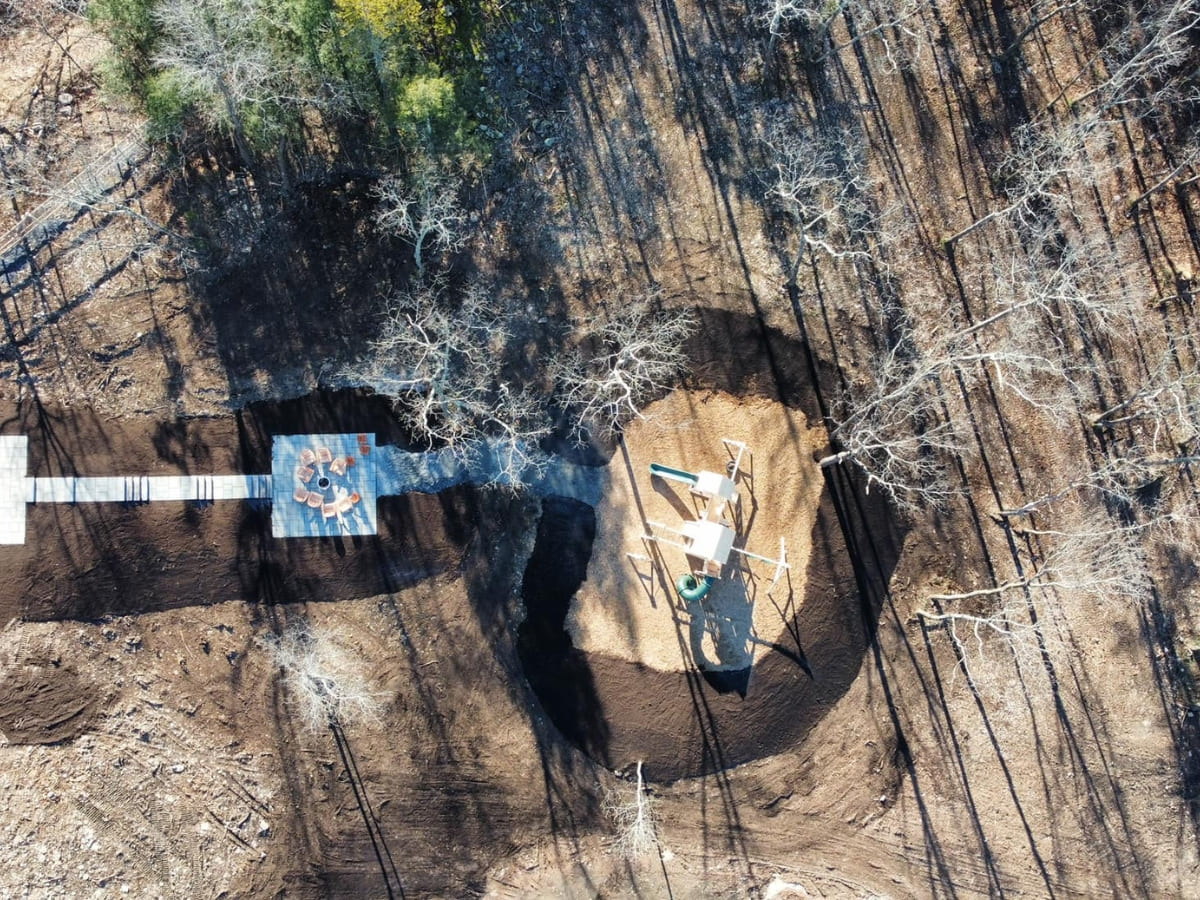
{"points": [[628, 607]]}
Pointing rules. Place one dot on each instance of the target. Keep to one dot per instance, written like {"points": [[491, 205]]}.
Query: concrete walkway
{"points": [[396, 472], [400, 472], [147, 488], [14, 452]]}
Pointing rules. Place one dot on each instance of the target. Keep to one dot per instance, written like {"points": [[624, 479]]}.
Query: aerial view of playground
{"points": [[673, 449]]}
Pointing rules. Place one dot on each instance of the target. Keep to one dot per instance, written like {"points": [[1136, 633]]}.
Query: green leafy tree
{"points": [[130, 28]]}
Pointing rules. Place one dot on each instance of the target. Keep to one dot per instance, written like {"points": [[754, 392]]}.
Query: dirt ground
{"points": [[152, 749], [160, 751]]}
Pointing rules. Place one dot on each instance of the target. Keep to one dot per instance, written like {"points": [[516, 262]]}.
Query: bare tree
{"points": [[325, 676], [1150, 62], [1151, 436], [777, 15], [820, 184], [1036, 174], [14, 13], [1166, 406], [425, 209], [893, 426], [890, 25], [1084, 559], [216, 49], [1120, 479], [221, 55], [639, 350], [633, 816], [1052, 285], [515, 424], [1188, 155], [93, 189], [441, 359], [870, 17], [1089, 561]]}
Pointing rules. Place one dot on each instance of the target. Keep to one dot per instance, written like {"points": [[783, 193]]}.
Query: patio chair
{"points": [[307, 457], [304, 473], [349, 462], [345, 505], [329, 510], [338, 466], [324, 455], [315, 500], [354, 498], [300, 495]]}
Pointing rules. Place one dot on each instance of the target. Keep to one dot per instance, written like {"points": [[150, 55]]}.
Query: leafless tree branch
{"points": [[639, 350]]}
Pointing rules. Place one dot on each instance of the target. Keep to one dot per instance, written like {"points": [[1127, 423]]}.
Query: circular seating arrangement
{"points": [[332, 494]]}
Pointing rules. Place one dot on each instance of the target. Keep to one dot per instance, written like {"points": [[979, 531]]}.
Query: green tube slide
{"points": [[692, 588]]}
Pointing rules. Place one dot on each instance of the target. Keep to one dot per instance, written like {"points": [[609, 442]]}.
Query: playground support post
{"points": [[737, 460]]}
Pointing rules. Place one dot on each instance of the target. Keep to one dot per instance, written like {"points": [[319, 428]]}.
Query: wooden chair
{"points": [[304, 473], [315, 500], [300, 495], [307, 457]]}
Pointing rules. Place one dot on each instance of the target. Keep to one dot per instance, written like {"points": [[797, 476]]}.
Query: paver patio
{"points": [[344, 495]]}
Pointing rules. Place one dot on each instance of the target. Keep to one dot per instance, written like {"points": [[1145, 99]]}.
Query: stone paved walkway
{"points": [[147, 488], [401, 472], [14, 451]]}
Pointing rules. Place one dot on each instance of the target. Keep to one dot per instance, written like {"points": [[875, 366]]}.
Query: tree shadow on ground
{"points": [[291, 280]]}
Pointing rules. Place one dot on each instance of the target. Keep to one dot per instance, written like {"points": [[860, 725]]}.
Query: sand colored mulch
{"points": [[628, 608]]}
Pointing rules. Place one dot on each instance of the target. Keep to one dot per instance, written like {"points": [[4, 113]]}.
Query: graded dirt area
{"points": [[627, 668]]}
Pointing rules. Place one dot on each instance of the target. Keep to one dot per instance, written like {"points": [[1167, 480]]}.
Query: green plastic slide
{"points": [[692, 588], [673, 474]]}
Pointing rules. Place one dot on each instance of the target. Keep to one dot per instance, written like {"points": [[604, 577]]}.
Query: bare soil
{"points": [[151, 749]]}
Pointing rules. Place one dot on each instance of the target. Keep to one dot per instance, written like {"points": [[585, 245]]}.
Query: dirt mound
{"points": [[628, 670], [689, 722]]}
